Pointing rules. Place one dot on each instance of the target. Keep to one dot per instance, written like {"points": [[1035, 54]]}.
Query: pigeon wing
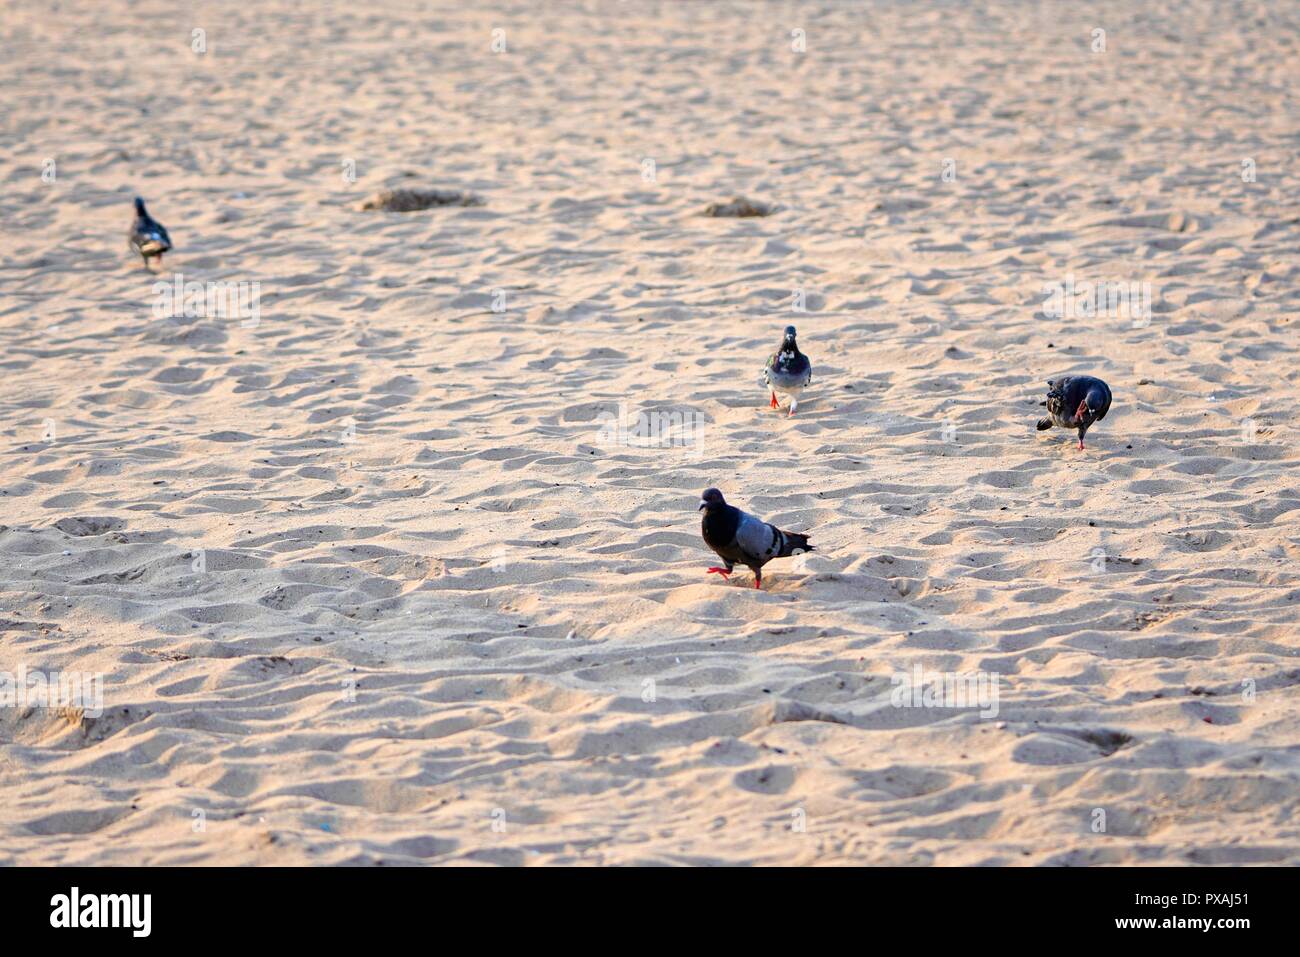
{"points": [[757, 541], [1056, 396]]}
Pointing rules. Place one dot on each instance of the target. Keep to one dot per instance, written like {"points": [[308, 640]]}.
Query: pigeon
{"points": [[741, 538], [148, 237], [1075, 402], [788, 371]]}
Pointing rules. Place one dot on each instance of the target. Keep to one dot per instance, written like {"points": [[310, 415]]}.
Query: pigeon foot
{"points": [[719, 571], [775, 404]]}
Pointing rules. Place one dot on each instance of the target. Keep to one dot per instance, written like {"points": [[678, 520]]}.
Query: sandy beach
{"points": [[397, 560]]}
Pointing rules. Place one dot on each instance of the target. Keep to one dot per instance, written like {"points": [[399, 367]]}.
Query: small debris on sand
{"points": [[410, 200], [739, 207]]}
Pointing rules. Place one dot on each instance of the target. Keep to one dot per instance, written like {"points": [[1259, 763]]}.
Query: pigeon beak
{"points": [[702, 504]]}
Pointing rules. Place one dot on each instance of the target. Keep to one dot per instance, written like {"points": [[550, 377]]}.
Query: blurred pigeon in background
{"points": [[788, 371], [148, 237]]}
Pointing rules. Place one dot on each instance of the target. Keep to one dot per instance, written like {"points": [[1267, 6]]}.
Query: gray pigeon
{"points": [[147, 236], [788, 371], [1075, 402], [740, 538]]}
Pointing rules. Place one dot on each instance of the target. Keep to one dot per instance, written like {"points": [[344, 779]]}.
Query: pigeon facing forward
{"points": [[1075, 402], [740, 538], [147, 236], [788, 371]]}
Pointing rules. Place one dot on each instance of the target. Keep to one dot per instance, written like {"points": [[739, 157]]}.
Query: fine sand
{"points": [[366, 581]]}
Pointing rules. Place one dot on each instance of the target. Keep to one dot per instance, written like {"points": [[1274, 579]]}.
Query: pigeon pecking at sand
{"points": [[1075, 402], [788, 371], [740, 538]]}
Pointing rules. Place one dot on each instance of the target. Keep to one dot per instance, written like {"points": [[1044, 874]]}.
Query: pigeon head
{"points": [[139, 206], [1092, 405], [788, 339], [711, 498]]}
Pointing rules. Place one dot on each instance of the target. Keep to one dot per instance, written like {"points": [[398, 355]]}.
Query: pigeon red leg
{"points": [[775, 404], [758, 579]]}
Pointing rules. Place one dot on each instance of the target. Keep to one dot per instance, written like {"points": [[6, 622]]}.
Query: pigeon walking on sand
{"points": [[1075, 402], [788, 371], [147, 236], [740, 538]]}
